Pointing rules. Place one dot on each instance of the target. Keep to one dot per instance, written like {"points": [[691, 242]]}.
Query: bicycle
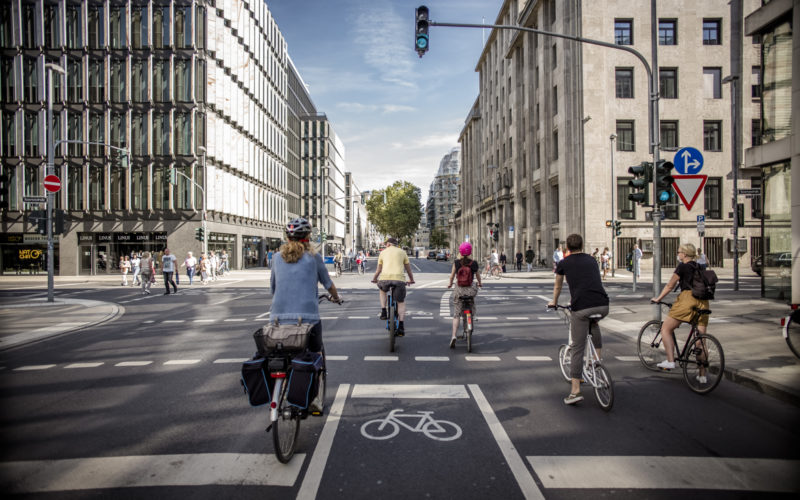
{"points": [[493, 271], [701, 359], [425, 424], [284, 417], [467, 306], [361, 268], [791, 330], [392, 321], [337, 268], [593, 372]]}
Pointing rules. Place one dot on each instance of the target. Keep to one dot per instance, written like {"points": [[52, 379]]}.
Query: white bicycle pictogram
{"points": [[389, 427]]}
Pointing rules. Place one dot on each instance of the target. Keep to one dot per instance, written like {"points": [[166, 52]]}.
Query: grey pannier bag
{"points": [[276, 337]]}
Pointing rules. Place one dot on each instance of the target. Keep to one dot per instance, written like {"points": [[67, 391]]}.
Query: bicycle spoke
{"points": [[705, 364]]}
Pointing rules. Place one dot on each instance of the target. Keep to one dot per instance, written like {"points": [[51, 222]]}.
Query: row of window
{"points": [[668, 83], [668, 32], [670, 139]]}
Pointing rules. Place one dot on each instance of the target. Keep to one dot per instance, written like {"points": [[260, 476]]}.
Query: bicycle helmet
{"points": [[298, 229], [465, 249]]}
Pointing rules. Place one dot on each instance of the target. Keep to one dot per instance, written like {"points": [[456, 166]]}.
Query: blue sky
{"points": [[397, 114]]}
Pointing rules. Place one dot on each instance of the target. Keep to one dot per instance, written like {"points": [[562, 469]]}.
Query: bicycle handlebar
{"points": [[661, 302], [329, 298], [559, 306]]}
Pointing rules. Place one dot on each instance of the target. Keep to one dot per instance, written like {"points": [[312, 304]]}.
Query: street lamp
{"points": [[323, 226], [495, 195], [732, 79], [49, 68], [612, 138], [205, 201]]}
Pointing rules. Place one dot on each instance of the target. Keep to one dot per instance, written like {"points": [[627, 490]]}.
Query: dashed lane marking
{"points": [[204, 320], [431, 358], [358, 317], [235, 319], [336, 358], [33, 367], [84, 365], [482, 358], [409, 391], [134, 363], [517, 317], [174, 321], [381, 358], [182, 361], [229, 360], [534, 358], [627, 358]]}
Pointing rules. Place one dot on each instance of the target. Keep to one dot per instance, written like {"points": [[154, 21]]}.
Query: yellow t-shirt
{"points": [[393, 260]]}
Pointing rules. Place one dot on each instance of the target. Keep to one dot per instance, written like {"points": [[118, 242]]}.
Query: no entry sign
{"points": [[52, 183]]}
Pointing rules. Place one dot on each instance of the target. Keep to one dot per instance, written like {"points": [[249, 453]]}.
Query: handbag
{"points": [[276, 337]]}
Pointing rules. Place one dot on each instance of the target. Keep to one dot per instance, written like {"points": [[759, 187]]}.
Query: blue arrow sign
{"points": [[688, 161]]}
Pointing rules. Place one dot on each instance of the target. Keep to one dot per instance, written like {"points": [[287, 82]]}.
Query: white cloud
{"points": [[382, 32]]}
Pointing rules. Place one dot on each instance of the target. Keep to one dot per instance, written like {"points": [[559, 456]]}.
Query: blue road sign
{"points": [[688, 161]]}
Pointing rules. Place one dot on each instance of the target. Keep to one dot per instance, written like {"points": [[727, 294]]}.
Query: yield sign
{"points": [[689, 188]]}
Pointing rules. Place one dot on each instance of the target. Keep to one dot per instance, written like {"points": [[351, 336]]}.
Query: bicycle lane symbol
{"points": [[389, 427]]}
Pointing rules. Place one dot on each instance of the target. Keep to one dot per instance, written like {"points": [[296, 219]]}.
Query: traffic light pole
{"points": [[49, 68]]}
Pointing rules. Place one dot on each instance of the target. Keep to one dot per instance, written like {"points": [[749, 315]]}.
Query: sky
{"points": [[397, 114]]}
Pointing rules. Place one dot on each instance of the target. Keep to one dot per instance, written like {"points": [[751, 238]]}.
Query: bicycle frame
{"points": [[422, 417], [590, 358]]}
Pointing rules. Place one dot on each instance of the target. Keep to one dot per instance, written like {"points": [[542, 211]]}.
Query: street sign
{"points": [[34, 199], [701, 224], [52, 183], [689, 188], [750, 191], [688, 161], [510, 231]]}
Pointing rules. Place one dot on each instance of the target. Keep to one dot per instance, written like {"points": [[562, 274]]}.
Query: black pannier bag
{"points": [[256, 381], [304, 379]]}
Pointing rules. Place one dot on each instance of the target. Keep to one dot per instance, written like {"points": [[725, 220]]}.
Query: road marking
{"points": [[336, 358], [544, 298], [260, 316], [358, 317], [482, 358], [235, 297], [421, 317], [627, 358], [84, 365], [74, 474], [230, 360], [204, 320], [534, 358], [328, 317], [517, 317], [444, 303], [432, 358], [148, 321], [548, 318], [410, 391], [32, 367], [236, 319], [316, 467], [380, 358], [651, 472], [182, 361], [510, 453], [173, 321], [134, 363], [486, 317]]}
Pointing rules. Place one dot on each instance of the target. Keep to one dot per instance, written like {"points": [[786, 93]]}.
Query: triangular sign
{"points": [[689, 188]]}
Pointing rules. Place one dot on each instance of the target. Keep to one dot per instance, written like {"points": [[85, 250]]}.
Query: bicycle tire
{"points": [[793, 336], [323, 382], [713, 366], [649, 345], [565, 362], [467, 318], [395, 429], [391, 325], [286, 428], [603, 388], [443, 424]]}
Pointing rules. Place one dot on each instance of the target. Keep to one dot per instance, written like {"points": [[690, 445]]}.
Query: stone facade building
{"points": [[443, 192]]}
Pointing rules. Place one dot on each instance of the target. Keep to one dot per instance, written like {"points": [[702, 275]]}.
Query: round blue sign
{"points": [[688, 161]]}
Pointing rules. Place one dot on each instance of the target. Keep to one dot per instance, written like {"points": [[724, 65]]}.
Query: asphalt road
{"points": [[150, 405]]}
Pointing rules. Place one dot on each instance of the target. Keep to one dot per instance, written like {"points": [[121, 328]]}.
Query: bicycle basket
{"points": [[274, 336]]}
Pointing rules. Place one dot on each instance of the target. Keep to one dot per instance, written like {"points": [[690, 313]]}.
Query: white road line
{"points": [[148, 321], [263, 315], [84, 365], [421, 317], [707, 473], [409, 391], [336, 358], [358, 317], [544, 298], [510, 453], [235, 297], [517, 317], [173, 321], [381, 358], [329, 317], [316, 467], [627, 358], [482, 358], [182, 361], [548, 318], [28, 368], [73, 474], [236, 319], [534, 358], [134, 363], [230, 360], [431, 358], [486, 317], [204, 320], [432, 283]]}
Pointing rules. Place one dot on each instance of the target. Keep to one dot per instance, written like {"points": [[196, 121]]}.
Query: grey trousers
{"points": [[579, 328]]}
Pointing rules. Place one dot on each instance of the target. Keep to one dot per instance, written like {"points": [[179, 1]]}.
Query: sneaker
{"points": [[453, 343], [573, 398], [315, 408], [383, 314], [167, 293], [401, 331], [702, 379], [666, 365]]}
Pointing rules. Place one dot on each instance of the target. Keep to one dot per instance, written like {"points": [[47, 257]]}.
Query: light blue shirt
{"points": [[294, 287]]}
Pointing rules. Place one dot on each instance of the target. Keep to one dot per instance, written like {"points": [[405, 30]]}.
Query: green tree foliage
{"points": [[438, 239], [400, 214]]}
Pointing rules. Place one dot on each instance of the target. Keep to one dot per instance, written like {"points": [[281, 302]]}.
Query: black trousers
{"points": [[168, 279]]}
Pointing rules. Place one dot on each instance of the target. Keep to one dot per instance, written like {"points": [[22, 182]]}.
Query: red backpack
{"points": [[464, 275]]}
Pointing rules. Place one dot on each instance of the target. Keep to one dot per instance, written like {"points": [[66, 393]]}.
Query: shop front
{"points": [[26, 254], [253, 251], [219, 242], [100, 253], [776, 269]]}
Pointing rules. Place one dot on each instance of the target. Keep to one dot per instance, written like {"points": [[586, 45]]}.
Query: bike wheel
{"points": [[441, 430], [565, 361], [380, 429], [392, 326], [603, 388], [793, 336], [467, 318], [705, 364], [323, 383], [285, 429], [650, 346]]}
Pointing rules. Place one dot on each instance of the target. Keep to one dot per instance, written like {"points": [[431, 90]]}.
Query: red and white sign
{"points": [[52, 183], [689, 188]]}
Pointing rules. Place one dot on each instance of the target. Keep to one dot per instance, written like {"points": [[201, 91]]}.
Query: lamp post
{"points": [[733, 79], [322, 222], [495, 195], [205, 201], [612, 138], [49, 68]]}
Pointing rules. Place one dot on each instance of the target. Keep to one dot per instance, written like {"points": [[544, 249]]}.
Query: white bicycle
{"points": [[389, 427]]}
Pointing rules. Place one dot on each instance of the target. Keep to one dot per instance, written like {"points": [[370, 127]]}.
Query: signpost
{"points": [[701, 225], [750, 192], [52, 183], [689, 183]]}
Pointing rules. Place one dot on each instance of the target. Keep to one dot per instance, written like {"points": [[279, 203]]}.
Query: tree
{"points": [[400, 213], [438, 239]]}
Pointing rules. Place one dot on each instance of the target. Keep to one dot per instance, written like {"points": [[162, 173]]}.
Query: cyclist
{"points": [[337, 260], [587, 297], [683, 308], [394, 260], [360, 260], [465, 250]]}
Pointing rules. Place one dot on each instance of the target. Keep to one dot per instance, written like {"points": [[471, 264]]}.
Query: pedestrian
{"points": [[503, 260], [588, 299], [223, 266], [136, 263], [212, 265], [702, 261], [203, 268], [519, 260], [596, 255], [637, 260], [168, 269], [125, 267], [148, 272], [558, 255], [269, 258], [604, 258], [189, 263], [529, 256]]}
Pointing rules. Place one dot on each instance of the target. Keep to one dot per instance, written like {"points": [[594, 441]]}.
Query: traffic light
{"points": [[609, 223], [617, 227], [199, 234], [496, 232], [421, 41], [664, 182], [173, 176], [58, 221], [642, 177]]}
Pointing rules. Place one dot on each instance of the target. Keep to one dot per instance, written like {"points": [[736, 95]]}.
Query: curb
{"points": [[749, 380]]}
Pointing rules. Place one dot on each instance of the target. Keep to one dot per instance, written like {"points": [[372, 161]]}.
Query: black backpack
{"points": [[704, 283]]}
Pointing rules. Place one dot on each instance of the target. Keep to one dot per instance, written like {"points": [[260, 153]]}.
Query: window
{"points": [[183, 136], [671, 210], [668, 83], [160, 26], [119, 183], [31, 78], [711, 31], [624, 82], [200, 80], [6, 33], [554, 203], [623, 31], [712, 83], [73, 18], [74, 80], [7, 79], [712, 135], [96, 133], [183, 82], [200, 27], [9, 134], [97, 80], [755, 132], [52, 38], [555, 57], [31, 133], [75, 187], [117, 23], [199, 130], [160, 134], [755, 89], [713, 197], [28, 25], [538, 164], [139, 183], [555, 145], [626, 209], [97, 184], [138, 26], [755, 203], [537, 208], [32, 179], [118, 129], [118, 80], [183, 27], [139, 80], [95, 29], [669, 135], [161, 80], [75, 132], [139, 134], [625, 136], [667, 32], [555, 99]]}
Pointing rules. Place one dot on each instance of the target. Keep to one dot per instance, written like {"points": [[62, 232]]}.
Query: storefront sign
{"points": [[85, 238], [29, 254], [105, 238], [34, 238], [10, 238]]}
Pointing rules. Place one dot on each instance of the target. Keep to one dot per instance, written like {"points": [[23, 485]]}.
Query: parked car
{"points": [[431, 255], [777, 259], [441, 256]]}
